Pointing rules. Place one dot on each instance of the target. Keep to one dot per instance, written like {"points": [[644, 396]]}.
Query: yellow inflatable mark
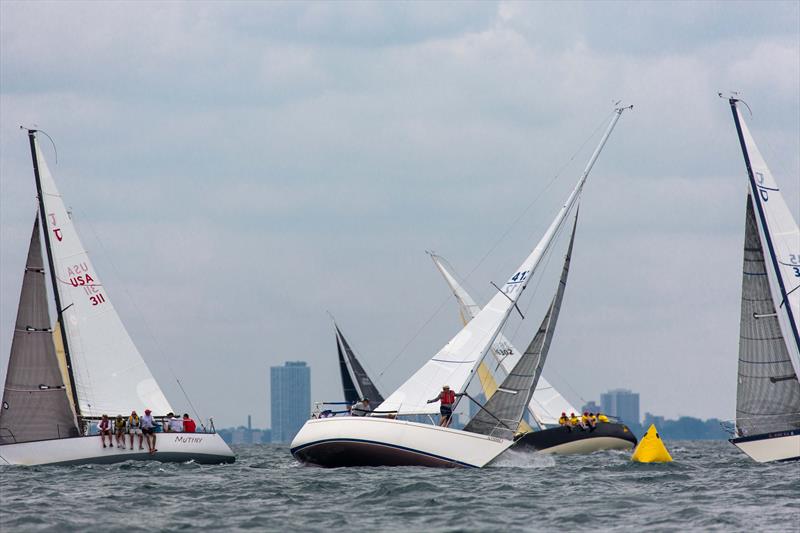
{"points": [[651, 448]]}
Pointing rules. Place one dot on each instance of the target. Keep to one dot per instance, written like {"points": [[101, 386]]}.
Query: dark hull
{"points": [[343, 452], [606, 436]]}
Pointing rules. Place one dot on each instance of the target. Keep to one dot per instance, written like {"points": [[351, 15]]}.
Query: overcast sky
{"points": [[237, 169]]}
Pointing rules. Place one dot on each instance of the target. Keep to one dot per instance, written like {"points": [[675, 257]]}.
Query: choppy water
{"points": [[709, 486]]}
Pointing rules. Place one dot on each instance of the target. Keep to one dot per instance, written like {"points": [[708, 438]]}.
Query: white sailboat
{"points": [[61, 379], [546, 403], [768, 391], [384, 441]]}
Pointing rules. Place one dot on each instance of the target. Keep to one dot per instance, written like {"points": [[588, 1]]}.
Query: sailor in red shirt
{"points": [[448, 399], [188, 424]]}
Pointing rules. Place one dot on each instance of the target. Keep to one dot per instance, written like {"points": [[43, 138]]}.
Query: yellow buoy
{"points": [[651, 448]]}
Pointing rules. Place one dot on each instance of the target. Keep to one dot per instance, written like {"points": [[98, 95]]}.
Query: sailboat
{"points": [[61, 378], [547, 403], [384, 439], [767, 424]]}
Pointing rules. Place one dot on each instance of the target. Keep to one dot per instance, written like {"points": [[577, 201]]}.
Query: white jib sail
{"points": [[782, 232], [110, 375], [547, 403], [454, 364]]}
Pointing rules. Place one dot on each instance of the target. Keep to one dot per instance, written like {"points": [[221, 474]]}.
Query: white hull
{"points": [[589, 446], [207, 448], [372, 441], [784, 446]]}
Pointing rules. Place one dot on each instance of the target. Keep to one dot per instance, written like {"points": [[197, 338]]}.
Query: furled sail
{"points": [[35, 401], [364, 388], [503, 412], [455, 363], [768, 392], [109, 373], [547, 403]]}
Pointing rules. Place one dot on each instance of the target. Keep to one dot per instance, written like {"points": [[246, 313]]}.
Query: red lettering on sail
{"points": [[97, 299], [57, 233]]}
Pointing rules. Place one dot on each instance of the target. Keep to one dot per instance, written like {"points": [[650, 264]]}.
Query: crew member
{"points": [[361, 408], [602, 418], [563, 420], [573, 420], [447, 399]]}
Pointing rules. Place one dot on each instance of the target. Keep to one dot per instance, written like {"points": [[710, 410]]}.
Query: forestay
{"points": [[35, 402], [455, 363], [504, 410], [109, 373], [547, 403]]}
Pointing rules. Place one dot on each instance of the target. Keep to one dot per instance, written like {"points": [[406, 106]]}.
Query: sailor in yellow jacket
{"points": [[651, 448]]}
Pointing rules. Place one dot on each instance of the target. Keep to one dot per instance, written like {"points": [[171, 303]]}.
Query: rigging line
{"points": [[499, 240], [549, 253], [153, 338], [541, 193]]}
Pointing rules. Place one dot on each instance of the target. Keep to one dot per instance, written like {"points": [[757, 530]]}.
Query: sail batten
{"points": [[36, 404]]}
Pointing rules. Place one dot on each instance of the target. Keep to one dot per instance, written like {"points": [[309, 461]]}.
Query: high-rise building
{"points": [[290, 399], [622, 404]]}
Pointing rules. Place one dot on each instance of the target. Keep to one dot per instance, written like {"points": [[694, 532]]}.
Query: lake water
{"points": [[711, 485]]}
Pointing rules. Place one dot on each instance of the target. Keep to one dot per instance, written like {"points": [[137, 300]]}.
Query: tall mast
{"points": [[53, 280], [760, 209]]}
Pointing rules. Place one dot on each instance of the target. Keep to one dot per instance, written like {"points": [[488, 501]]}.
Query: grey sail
{"points": [[503, 412], [350, 392], [35, 402], [364, 385], [768, 392]]}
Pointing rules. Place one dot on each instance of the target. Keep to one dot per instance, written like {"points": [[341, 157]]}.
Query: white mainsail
{"points": [[110, 375], [781, 237], [547, 403], [455, 363]]}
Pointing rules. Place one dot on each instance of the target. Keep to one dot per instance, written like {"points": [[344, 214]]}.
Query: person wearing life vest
{"points": [[602, 418], [135, 428], [573, 420], [448, 400], [119, 431], [586, 421], [104, 425], [563, 420]]}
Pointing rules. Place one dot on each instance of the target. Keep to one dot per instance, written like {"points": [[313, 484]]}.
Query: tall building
{"points": [[622, 404], [290, 399]]}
